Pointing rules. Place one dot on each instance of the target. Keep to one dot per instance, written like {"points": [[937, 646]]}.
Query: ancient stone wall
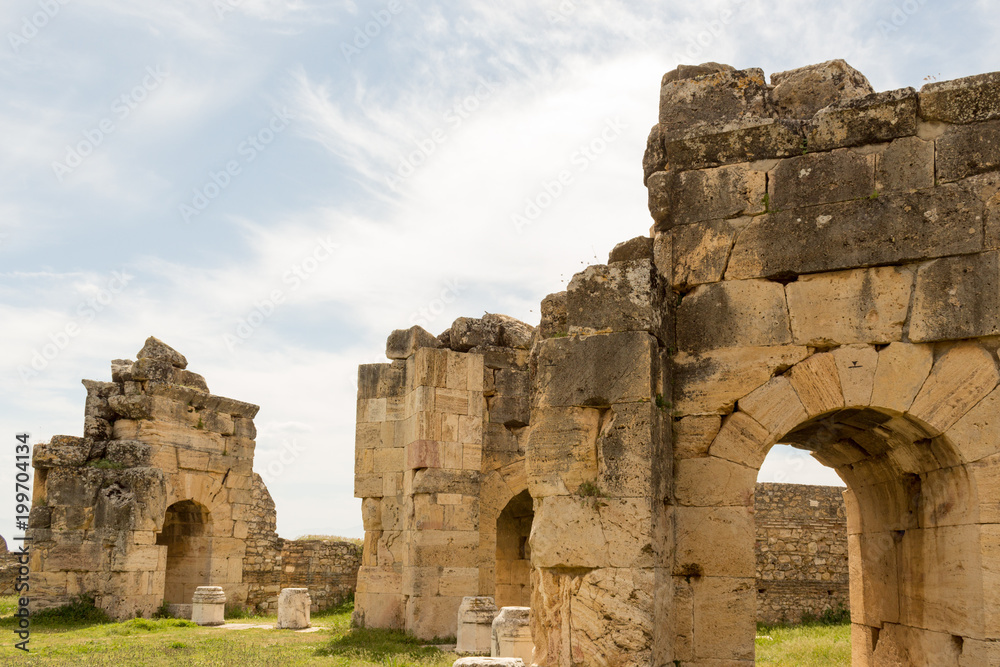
{"points": [[153, 500], [822, 271], [801, 551], [329, 569], [9, 569]]}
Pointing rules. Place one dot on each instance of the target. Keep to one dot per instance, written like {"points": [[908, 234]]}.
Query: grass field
{"points": [[81, 637]]}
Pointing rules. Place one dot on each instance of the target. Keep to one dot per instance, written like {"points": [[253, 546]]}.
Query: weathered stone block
{"points": [[554, 316], [693, 435], [817, 383], [630, 439], [800, 93], [857, 306], [744, 140], [888, 229], [821, 178], [639, 248], [968, 100], [976, 434], [733, 313], [905, 164], [741, 440], [713, 482], [715, 541], [404, 342], [61, 451], [381, 380], [967, 150], [293, 608], [957, 297], [654, 159], [562, 450], [866, 120], [700, 252], [596, 370], [594, 532], [775, 406], [707, 194], [901, 372], [960, 378], [154, 348], [724, 625], [856, 365], [686, 105], [623, 296], [711, 382]]}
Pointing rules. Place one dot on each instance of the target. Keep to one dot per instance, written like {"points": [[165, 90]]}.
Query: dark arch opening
{"points": [[186, 535], [513, 557]]}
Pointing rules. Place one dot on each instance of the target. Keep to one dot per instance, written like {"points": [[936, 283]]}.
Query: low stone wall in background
{"points": [[801, 551]]}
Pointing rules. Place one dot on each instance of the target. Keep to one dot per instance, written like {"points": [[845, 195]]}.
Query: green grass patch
{"points": [[378, 644], [807, 645]]}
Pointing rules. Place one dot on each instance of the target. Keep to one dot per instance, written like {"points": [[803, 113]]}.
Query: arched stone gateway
{"points": [[822, 271]]}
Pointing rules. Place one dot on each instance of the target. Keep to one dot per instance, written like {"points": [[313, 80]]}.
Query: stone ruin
{"points": [[159, 498], [822, 272]]}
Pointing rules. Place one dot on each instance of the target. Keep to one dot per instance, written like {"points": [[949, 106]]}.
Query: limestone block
{"points": [[960, 378], [820, 178], [905, 164], [800, 93], [706, 194], [404, 342], [724, 626], [957, 297], [129, 453], [562, 450], [487, 661], [631, 438], [712, 381], [458, 581], [856, 365], [154, 348], [511, 411], [901, 372], [967, 150], [741, 440], [492, 329], [693, 435], [713, 482], [729, 142], [596, 370], [61, 451], [451, 548], [775, 406], [817, 383], [554, 316], [381, 380], [986, 474], [429, 617], [976, 434], [687, 105], [875, 586], [967, 100], [618, 297], [293, 608], [638, 248], [431, 480], [378, 610], [733, 313], [871, 119], [891, 228], [715, 541], [511, 634], [475, 624], [591, 531], [653, 159], [208, 606], [701, 252]]}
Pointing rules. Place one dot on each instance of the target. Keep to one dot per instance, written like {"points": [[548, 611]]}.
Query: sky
{"points": [[272, 186]]}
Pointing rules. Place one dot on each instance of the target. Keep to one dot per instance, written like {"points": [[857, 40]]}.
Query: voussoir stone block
{"points": [[856, 366], [960, 378], [800, 93], [891, 228], [821, 178], [901, 371], [733, 313], [856, 306], [775, 406], [967, 100], [817, 383], [742, 440], [957, 297]]}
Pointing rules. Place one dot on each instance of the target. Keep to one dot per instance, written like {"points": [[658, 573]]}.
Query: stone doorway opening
{"points": [[186, 535], [513, 555]]}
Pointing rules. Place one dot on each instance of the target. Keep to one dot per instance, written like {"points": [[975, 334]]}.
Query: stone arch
{"points": [[910, 429], [499, 488], [186, 535]]}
